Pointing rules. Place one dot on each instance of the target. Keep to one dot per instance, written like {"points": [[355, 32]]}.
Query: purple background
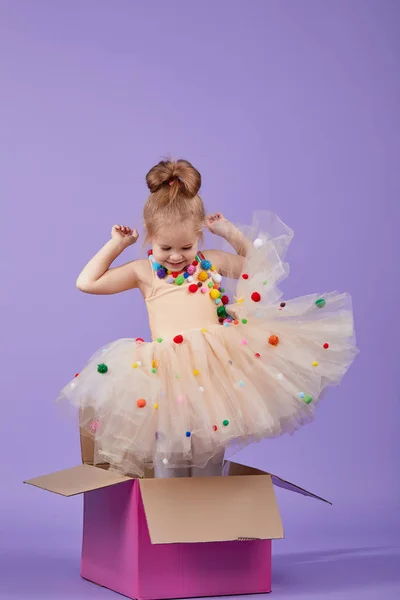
{"points": [[291, 106]]}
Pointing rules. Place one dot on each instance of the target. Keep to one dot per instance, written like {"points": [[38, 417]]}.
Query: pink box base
{"points": [[117, 554]]}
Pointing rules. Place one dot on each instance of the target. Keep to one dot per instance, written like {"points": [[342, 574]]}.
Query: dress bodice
{"points": [[174, 309]]}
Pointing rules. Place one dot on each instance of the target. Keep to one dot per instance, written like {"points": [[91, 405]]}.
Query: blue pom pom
{"points": [[205, 265], [188, 434], [186, 275], [156, 266]]}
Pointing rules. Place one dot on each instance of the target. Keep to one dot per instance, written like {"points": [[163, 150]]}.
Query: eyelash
{"points": [[168, 249]]}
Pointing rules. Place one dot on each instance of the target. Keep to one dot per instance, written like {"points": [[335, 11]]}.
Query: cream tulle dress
{"points": [[217, 374]]}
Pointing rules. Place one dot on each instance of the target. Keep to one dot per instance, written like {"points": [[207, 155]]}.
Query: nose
{"points": [[175, 257]]}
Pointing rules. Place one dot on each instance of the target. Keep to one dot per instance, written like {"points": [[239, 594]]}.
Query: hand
{"points": [[124, 235], [217, 224]]}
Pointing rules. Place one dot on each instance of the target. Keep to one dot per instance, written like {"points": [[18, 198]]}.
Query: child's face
{"points": [[175, 246]]}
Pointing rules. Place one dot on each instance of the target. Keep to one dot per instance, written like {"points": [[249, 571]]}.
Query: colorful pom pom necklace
{"points": [[208, 273]]}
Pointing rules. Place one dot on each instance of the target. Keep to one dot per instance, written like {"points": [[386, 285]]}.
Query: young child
{"points": [[220, 371]]}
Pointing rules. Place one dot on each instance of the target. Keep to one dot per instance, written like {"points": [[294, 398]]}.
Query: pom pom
{"points": [[257, 243], [171, 280], [225, 300], [139, 340], [159, 340], [191, 269], [273, 340], [186, 275], [196, 372], [165, 461], [315, 363], [199, 284], [202, 276], [94, 425], [216, 277], [193, 288], [307, 399], [161, 273], [215, 428], [205, 265], [215, 294], [245, 276], [156, 266], [155, 406], [195, 263], [257, 355], [221, 311], [320, 303], [225, 423], [141, 403], [282, 304], [188, 434], [149, 252], [256, 297], [102, 368], [179, 280], [326, 346], [178, 339], [190, 279], [203, 290]]}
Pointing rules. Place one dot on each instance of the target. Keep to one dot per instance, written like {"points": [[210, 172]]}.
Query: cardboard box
{"points": [[175, 538]]}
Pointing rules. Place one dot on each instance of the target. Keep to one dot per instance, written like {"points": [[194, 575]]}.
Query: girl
{"points": [[220, 371]]}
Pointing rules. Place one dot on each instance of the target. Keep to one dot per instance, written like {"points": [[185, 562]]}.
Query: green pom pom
{"points": [[244, 321], [154, 370], [102, 368], [179, 280], [225, 423], [320, 303], [221, 311], [210, 284], [307, 399], [159, 340], [222, 290]]}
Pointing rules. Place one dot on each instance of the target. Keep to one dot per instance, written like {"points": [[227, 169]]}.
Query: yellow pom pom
{"points": [[213, 268], [135, 365], [169, 272], [215, 294], [155, 406], [196, 371], [315, 363], [240, 300], [154, 364], [203, 330], [202, 276]]}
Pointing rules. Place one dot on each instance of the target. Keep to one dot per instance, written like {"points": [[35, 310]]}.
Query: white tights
{"points": [[212, 469]]}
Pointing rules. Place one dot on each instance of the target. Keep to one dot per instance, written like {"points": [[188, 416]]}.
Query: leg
{"points": [[212, 469], [163, 471]]}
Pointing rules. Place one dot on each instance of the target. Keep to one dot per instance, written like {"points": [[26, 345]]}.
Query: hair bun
{"points": [[179, 176]]}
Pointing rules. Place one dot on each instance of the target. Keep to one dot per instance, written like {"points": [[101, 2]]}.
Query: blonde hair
{"points": [[174, 187]]}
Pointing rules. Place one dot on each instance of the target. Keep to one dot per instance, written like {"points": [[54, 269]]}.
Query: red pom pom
{"points": [[195, 263], [326, 346], [76, 374], [257, 355], [221, 319], [150, 252], [139, 340], [225, 300], [141, 403], [245, 276], [193, 288], [178, 339], [273, 340], [256, 297], [175, 275], [215, 427]]}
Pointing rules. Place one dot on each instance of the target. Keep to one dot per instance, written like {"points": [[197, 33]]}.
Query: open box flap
{"points": [[211, 509], [236, 469], [77, 480]]}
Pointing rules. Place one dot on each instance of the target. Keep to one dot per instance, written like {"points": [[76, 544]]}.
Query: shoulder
{"points": [[226, 263]]}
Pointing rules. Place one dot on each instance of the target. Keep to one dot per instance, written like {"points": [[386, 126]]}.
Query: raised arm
{"points": [[229, 265], [98, 278]]}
